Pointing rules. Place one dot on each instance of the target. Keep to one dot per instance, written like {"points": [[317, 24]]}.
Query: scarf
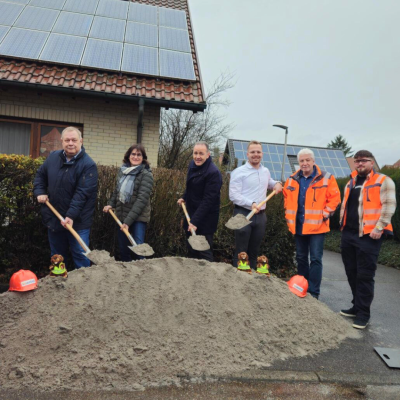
{"points": [[126, 183]]}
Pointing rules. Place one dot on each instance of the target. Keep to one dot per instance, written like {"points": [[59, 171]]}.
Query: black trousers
{"points": [[201, 255], [360, 256], [249, 238]]}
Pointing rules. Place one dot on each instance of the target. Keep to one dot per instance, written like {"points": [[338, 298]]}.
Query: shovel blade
{"points": [[199, 243], [239, 221], [142, 250]]}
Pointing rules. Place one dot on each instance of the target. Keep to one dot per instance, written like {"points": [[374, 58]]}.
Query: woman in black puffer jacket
{"points": [[131, 199]]}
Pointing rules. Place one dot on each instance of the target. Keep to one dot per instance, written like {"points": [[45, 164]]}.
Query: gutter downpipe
{"points": [[140, 124]]}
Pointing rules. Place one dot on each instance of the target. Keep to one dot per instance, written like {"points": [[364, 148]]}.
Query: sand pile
{"points": [[134, 325]]}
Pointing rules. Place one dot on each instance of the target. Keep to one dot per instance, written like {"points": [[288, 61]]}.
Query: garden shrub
{"points": [[23, 238], [394, 173], [334, 221]]}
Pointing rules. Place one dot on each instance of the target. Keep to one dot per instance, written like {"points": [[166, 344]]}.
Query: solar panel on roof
{"points": [[237, 145], [108, 29], [3, 31], [54, 4], [172, 18], [18, 1], [79, 6], [73, 24], [146, 35], [172, 58], [23, 43], [63, 48], [334, 162], [142, 13], [113, 9], [323, 153], [139, 59], [9, 13], [176, 65], [41, 19], [102, 54], [174, 39]]}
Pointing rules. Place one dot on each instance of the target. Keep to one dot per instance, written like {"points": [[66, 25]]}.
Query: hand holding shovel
{"points": [[140, 249], [197, 242], [70, 228], [239, 221]]}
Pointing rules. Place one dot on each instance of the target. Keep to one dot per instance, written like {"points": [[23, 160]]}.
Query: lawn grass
{"points": [[389, 254]]}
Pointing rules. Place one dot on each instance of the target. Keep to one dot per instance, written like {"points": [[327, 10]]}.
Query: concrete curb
{"points": [[311, 377]]}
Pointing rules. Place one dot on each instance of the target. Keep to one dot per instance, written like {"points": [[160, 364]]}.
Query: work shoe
{"points": [[360, 323], [351, 312]]}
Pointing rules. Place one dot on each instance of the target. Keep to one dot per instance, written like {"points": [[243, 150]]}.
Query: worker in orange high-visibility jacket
{"points": [[368, 205], [311, 197]]}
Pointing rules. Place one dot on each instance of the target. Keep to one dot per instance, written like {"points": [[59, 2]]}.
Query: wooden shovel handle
{"points": [[187, 217], [262, 203], [128, 235], [186, 213], [69, 227]]}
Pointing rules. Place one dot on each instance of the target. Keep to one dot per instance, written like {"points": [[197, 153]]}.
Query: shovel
{"points": [[71, 229], [197, 242], [239, 221], [140, 249]]}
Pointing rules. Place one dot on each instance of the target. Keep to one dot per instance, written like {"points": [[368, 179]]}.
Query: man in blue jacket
{"points": [[202, 198], [68, 180]]}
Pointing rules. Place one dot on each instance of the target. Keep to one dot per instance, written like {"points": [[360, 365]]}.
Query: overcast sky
{"points": [[321, 67]]}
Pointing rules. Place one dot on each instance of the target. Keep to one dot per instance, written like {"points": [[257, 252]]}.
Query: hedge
{"points": [[23, 238]]}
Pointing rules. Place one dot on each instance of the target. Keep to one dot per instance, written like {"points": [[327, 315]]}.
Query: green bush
{"points": [[389, 254], [394, 173], [23, 238], [334, 221]]}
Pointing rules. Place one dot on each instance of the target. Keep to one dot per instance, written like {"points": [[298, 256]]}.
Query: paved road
{"points": [[353, 371], [357, 357]]}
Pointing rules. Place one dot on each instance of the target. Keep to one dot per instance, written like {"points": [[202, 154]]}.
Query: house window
{"points": [[30, 138], [15, 138]]}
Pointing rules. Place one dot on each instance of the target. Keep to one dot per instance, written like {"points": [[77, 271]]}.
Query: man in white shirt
{"points": [[248, 187]]}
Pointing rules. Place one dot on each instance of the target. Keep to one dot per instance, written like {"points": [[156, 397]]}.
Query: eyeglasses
{"points": [[138, 155], [363, 161]]}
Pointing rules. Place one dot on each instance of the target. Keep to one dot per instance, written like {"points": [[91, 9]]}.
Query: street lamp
{"points": [[284, 151]]}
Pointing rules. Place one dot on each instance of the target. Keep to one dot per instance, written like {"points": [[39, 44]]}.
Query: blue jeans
{"points": [[61, 242], [138, 232], [310, 269]]}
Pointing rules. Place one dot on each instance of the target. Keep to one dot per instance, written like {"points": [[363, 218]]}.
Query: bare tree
{"points": [[181, 129]]}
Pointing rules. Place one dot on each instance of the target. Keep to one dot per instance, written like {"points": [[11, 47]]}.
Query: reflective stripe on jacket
{"points": [[371, 205], [322, 199]]}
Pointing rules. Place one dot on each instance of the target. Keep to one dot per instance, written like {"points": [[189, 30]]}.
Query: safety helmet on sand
{"points": [[22, 281], [298, 285]]}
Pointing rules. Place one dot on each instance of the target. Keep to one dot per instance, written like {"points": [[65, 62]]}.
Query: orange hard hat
{"points": [[298, 285], [22, 281]]}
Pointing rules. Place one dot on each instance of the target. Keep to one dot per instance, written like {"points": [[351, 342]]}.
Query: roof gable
{"points": [[169, 92]]}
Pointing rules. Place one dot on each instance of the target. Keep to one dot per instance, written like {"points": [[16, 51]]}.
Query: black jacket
{"points": [[71, 187], [202, 196]]}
